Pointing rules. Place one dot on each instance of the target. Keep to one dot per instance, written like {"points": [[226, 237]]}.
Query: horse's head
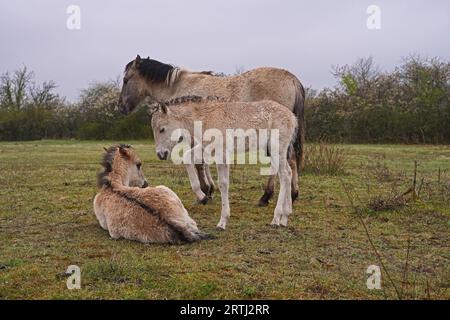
{"points": [[134, 88], [121, 163], [145, 78], [167, 130]]}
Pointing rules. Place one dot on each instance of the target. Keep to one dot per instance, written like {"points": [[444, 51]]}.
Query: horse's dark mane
{"points": [[107, 161], [153, 70]]}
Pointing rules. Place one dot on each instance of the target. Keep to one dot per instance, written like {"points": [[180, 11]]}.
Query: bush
{"points": [[29, 112], [409, 105], [324, 159]]}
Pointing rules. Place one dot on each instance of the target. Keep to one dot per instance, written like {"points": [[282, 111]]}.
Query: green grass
{"points": [[47, 223]]}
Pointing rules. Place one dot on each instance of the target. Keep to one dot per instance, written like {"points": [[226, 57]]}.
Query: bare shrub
{"points": [[435, 191], [326, 159], [380, 203], [380, 171]]}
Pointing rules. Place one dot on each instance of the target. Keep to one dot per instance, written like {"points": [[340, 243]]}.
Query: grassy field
{"points": [[47, 223]]}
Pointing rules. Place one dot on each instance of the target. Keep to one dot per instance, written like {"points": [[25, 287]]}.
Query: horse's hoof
{"points": [[205, 236], [204, 200], [294, 196], [275, 225], [210, 192], [205, 189], [220, 228], [263, 203]]}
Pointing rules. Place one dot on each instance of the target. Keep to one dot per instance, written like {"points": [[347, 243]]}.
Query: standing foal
{"points": [[173, 122]]}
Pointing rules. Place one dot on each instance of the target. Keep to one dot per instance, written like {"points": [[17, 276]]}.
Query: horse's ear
{"points": [[137, 62], [124, 152], [106, 149], [153, 108]]}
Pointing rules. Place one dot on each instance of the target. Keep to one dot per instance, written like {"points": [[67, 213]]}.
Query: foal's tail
{"points": [[201, 236], [299, 141]]}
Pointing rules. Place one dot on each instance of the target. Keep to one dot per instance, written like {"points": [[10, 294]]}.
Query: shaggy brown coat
{"points": [[140, 213]]}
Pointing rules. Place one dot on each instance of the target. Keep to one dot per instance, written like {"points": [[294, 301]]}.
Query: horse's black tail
{"points": [[299, 141]]}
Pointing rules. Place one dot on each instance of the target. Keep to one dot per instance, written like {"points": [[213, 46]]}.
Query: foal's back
{"points": [[222, 115], [125, 217], [149, 215]]}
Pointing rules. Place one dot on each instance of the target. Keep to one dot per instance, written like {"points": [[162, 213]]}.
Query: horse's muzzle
{"points": [[122, 108], [145, 185], [163, 155]]}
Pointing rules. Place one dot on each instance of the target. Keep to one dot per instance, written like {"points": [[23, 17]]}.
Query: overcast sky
{"points": [[305, 37]]}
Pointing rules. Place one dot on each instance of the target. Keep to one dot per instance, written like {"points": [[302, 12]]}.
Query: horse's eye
{"points": [[162, 130], [125, 80], [180, 139], [138, 165]]}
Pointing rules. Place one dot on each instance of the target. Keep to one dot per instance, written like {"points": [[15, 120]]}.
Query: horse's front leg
{"points": [[212, 186], [195, 184], [202, 177], [189, 161], [223, 173]]}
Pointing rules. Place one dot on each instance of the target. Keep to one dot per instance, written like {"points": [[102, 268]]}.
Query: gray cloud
{"points": [[305, 37]]}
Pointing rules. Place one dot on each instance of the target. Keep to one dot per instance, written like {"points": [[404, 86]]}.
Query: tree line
{"points": [[407, 105], [29, 112]]}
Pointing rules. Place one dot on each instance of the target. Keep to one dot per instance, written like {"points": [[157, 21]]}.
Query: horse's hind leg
{"points": [[294, 183], [287, 208], [223, 172], [268, 192], [282, 210], [270, 187]]}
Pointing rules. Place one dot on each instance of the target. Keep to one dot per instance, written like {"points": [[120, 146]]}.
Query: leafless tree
{"points": [[13, 88], [44, 95]]}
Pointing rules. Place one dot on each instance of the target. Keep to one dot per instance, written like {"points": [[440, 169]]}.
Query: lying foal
{"points": [[128, 208]]}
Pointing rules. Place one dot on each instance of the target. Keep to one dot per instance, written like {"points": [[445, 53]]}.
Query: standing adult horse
{"points": [[162, 82]]}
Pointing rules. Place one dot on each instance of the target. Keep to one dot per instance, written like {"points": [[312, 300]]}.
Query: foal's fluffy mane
{"points": [[159, 72], [187, 99], [107, 161]]}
